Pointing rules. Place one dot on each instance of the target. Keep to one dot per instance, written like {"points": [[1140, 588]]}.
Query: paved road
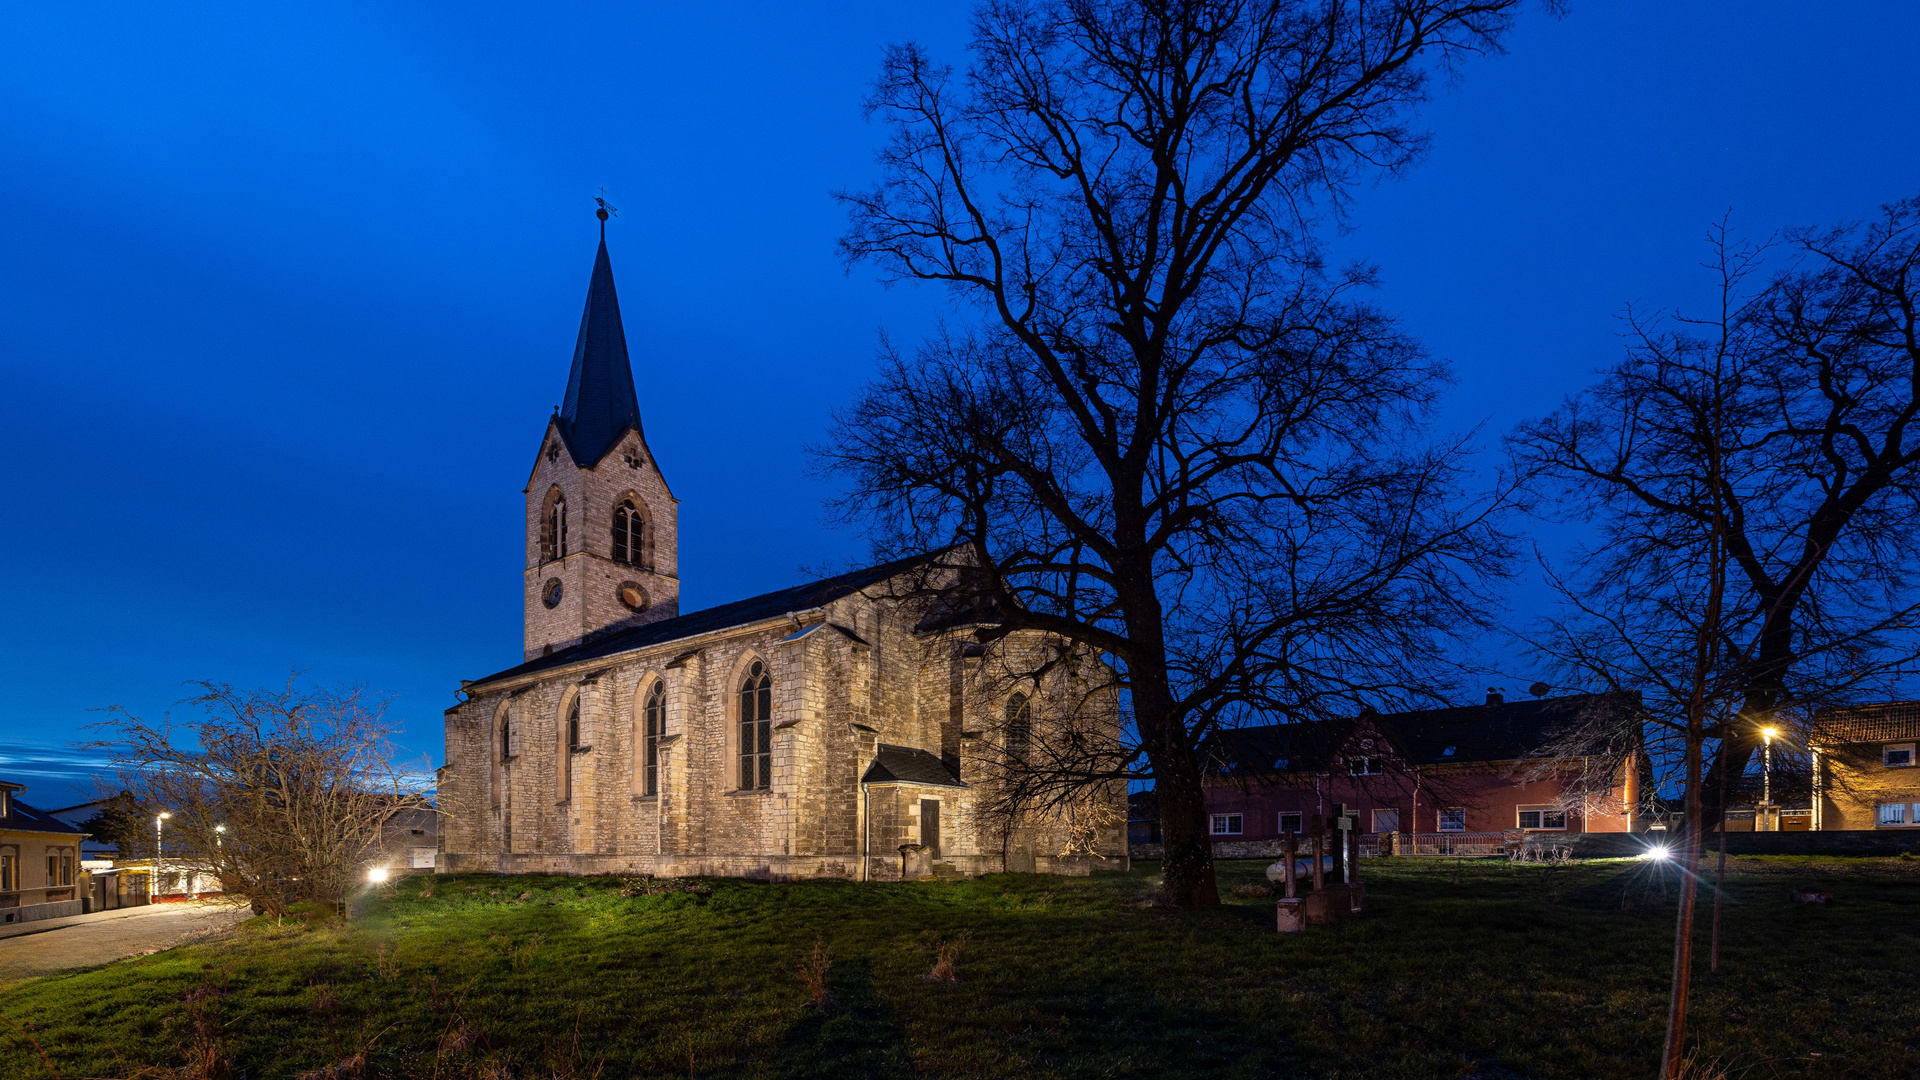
{"points": [[101, 938]]}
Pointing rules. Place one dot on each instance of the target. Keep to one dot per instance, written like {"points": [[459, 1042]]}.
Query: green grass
{"points": [[1468, 969]]}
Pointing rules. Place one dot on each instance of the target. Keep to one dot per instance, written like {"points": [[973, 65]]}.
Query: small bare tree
{"points": [[1172, 439], [1754, 496], [1820, 487], [281, 792]]}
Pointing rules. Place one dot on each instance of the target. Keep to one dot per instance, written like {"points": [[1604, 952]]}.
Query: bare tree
{"points": [[1820, 492], [1710, 460], [1172, 438], [281, 792]]}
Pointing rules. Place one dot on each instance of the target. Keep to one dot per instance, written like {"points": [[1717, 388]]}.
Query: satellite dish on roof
{"points": [[1539, 689]]}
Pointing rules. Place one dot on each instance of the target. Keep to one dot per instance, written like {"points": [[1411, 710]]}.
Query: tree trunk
{"points": [[1186, 845], [1670, 1057]]}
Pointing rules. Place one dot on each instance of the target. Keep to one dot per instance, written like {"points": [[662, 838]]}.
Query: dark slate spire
{"points": [[600, 404]]}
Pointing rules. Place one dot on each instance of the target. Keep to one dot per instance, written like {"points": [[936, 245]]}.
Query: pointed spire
{"points": [[600, 404]]}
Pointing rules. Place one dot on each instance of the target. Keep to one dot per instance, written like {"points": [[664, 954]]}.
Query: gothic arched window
{"points": [[553, 528], [756, 728], [654, 718], [1019, 727], [632, 535], [570, 735]]}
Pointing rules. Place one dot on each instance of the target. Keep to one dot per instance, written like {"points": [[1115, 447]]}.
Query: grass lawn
{"points": [[1459, 969]]}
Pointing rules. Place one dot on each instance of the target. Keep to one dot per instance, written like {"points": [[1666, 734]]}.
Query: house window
{"points": [[1226, 824], [1019, 727], [1897, 755], [1386, 821], [1542, 817], [756, 729], [1893, 813], [655, 722], [1366, 766], [632, 539], [1289, 823], [59, 866], [9, 870], [1453, 821], [553, 528]]}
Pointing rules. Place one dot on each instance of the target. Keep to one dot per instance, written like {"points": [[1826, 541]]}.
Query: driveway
{"points": [[30, 950]]}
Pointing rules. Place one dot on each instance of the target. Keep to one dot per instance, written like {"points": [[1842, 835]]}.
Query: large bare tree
{"points": [[1819, 500], [1171, 437], [282, 792]]}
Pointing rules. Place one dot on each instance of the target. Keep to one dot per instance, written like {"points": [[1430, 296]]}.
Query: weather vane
{"points": [[606, 209]]}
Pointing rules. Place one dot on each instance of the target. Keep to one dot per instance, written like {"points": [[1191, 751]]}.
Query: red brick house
{"points": [[1548, 765]]}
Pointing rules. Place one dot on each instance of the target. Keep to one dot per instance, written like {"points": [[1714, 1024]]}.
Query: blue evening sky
{"points": [[287, 293]]}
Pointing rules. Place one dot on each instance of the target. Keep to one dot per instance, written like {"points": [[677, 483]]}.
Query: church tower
{"points": [[602, 527]]}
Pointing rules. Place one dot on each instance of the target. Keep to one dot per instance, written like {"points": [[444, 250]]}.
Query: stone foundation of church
{"points": [[752, 867]]}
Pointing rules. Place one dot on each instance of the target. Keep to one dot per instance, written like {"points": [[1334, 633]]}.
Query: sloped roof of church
{"points": [[739, 613], [600, 404], [908, 765]]}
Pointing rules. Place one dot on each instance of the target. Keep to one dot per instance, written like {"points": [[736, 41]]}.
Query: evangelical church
{"points": [[833, 729]]}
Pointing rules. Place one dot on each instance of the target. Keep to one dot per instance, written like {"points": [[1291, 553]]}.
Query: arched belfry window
{"points": [[553, 528], [756, 728], [1019, 733], [654, 723], [632, 535]]}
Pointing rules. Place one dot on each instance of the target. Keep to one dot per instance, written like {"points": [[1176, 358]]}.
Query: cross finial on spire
{"points": [[604, 211]]}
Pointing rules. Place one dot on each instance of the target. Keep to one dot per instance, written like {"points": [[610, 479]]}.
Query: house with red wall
{"points": [[1547, 765]]}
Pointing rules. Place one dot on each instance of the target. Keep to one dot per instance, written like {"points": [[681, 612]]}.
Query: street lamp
{"points": [[1766, 766], [159, 847]]}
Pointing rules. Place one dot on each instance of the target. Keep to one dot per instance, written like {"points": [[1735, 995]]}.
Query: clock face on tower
{"points": [[551, 592], [633, 596]]}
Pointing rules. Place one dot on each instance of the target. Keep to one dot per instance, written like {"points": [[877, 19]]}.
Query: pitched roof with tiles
{"points": [[908, 765], [1495, 732], [23, 818], [1893, 721], [726, 616]]}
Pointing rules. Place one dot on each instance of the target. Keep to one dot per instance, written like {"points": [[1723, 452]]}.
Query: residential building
{"points": [[1548, 765], [1864, 769], [40, 873]]}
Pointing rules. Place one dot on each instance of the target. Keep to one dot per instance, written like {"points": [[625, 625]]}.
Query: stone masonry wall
{"points": [[590, 578]]}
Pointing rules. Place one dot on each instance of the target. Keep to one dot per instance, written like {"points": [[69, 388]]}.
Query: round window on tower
{"points": [[633, 596], [551, 593]]}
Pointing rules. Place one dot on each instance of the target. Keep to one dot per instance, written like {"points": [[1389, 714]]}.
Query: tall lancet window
{"points": [[553, 528], [655, 720], [1019, 727], [756, 729], [632, 536], [571, 735]]}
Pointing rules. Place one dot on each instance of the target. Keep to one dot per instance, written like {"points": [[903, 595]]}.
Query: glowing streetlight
{"points": [[377, 875], [159, 846], [1658, 854], [1766, 767]]}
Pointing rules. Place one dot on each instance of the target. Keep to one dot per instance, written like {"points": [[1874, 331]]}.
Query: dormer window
{"points": [[1896, 756], [1449, 751]]}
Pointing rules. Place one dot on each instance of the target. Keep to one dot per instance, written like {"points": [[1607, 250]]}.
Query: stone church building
{"points": [[832, 729]]}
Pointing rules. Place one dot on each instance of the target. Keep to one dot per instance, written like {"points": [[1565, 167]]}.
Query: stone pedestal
{"points": [[916, 862], [1290, 917], [1321, 907]]}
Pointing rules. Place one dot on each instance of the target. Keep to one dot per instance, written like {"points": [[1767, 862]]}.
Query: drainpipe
{"points": [[866, 832]]}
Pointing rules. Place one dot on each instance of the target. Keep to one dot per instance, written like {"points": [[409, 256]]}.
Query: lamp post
{"points": [[159, 847], [1769, 817]]}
